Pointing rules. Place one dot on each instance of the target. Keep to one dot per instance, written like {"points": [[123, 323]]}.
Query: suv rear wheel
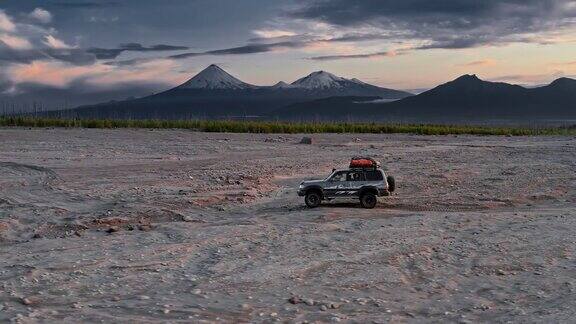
{"points": [[313, 199], [368, 200], [391, 183]]}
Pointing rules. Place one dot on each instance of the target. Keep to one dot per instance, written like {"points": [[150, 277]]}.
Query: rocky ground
{"points": [[176, 226]]}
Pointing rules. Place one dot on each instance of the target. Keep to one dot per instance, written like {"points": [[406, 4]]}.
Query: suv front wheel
{"points": [[313, 199], [368, 200]]}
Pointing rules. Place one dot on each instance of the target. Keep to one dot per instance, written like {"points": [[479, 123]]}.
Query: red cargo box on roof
{"points": [[363, 162]]}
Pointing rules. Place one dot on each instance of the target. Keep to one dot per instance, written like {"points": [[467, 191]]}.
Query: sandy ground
{"points": [[175, 226]]}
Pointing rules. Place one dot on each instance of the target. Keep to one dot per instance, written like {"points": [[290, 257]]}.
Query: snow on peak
{"points": [[320, 80], [213, 77], [282, 85]]}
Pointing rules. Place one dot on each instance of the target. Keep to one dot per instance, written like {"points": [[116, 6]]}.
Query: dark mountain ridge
{"points": [[466, 97]]}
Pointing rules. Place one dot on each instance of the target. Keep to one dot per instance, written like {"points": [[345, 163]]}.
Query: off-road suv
{"points": [[366, 183]]}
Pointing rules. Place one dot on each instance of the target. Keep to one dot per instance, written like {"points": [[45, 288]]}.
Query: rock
{"points": [[309, 302], [361, 301], [323, 308], [112, 229], [143, 297], [28, 301], [188, 219], [306, 140], [145, 228], [484, 307], [295, 300]]}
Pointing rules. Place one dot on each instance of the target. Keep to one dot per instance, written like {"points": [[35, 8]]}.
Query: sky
{"points": [[76, 51]]}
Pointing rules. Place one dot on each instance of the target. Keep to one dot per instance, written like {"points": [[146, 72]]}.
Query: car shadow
{"points": [[340, 205]]}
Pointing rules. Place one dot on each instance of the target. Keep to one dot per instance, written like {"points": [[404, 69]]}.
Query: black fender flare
{"points": [[368, 189], [314, 188]]}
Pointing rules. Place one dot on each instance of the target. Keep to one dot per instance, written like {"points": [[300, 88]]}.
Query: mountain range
{"points": [[213, 93], [466, 98]]}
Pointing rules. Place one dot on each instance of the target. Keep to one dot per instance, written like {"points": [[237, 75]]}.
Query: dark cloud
{"points": [[445, 23], [112, 53], [105, 53], [137, 47], [246, 49], [256, 48], [72, 56], [86, 4], [356, 37], [240, 50], [352, 56]]}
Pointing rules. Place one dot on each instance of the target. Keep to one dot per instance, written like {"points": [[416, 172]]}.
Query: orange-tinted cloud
{"points": [[61, 75], [572, 63], [484, 62]]}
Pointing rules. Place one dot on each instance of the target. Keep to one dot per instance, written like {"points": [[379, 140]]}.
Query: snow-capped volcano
{"points": [[214, 78], [319, 84], [321, 80], [324, 84]]}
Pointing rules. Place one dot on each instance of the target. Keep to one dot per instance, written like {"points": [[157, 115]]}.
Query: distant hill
{"points": [[332, 108], [465, 98], [214, 93]]}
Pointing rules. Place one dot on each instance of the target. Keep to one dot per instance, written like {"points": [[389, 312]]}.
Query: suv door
{"points": [[336, 185], [355, 181]]}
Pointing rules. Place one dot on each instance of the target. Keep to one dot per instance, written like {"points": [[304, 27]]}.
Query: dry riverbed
{"points": [[175, 226]]}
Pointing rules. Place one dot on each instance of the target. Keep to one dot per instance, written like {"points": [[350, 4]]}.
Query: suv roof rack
{"points": [[365, 168]]}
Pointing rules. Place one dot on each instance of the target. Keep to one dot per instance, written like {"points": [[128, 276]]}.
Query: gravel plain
{"points": [[145, 226]]}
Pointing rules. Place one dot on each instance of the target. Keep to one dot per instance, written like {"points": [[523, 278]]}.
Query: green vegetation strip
{"points": [[231, 126]]}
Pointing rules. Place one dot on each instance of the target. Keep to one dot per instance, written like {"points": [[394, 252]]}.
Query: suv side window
{"points": [[339, 176], [355, 176], [375, 175]]}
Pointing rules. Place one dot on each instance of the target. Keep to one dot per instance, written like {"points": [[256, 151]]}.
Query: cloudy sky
{"points": [[95, 50]]}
